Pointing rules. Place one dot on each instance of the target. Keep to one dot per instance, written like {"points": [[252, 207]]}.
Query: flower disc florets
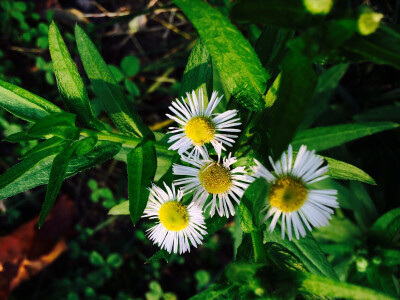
{"points": [[174, 215], [215, 178], [200, 130]]}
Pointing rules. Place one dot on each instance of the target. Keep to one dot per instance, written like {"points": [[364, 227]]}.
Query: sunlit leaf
{"points": [[24, 104], [107, 89], [237, 63], [198, 72], [69, 82]]}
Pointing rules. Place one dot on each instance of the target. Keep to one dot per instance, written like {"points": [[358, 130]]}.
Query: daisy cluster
{"points": [[218, 185]]}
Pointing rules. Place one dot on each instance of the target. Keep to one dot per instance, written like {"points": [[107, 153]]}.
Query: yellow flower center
{"points": [[288, 194], [215, 178], [174, 215], [200, 130]]}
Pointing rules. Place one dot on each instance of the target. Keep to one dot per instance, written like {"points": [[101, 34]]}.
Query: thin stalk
{"points": [[258, 246]]}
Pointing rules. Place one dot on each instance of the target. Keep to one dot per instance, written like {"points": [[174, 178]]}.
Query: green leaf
{"points": [[307, 250], [218, 291], [203, 278], [131, 87], [327, 83], [279, 13], [44, 146], [382, 278], [59, 124], [42, 42], [283, 258], [160, 254], [130, 65], [246, 217], [120, 209], [382, 113], [235, 59], [341, 170], [272, 93], [339, 230], [271, 48], [251, 204], [116, 72], [56, 177], [69, 82], [142, 165], [24, 169], [390, 257], [96, 258], [34, 170], [365, 211], [387, 227], [115, 260], [198, 72], [19, 137], [24, 104], [107, 89], [245, 251], [382, 47], [296, 87], [215, 224], [322, 138], [85, 146], [19, 5], [322, 286]]}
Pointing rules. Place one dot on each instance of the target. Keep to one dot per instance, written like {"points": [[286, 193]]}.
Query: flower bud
{"points": [[368, 21]]}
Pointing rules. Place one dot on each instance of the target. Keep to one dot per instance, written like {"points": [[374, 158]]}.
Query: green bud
{"points": [[362, 264], [318, 7], [368, 21]]}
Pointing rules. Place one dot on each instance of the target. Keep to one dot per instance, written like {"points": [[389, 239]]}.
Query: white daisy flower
{"points": [[199, 126], [290, 196], [177, 223], [208, 177]]}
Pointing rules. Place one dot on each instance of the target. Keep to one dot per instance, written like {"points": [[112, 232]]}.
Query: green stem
{"points": [[258, 246], [128, 141]]}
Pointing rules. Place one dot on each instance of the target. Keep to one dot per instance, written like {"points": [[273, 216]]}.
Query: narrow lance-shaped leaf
{"points": [[198, 72], [57, 176], [69, 82], [60, 124], [322, 138], [107, 89], [24, 104], [307, 250], [271, 48], [327, 83], [322, 286], [237, 63], [382, 47], [44, 146], [22, 169], [387, 227], [34, 170], [341, 170], [142, 165], [253, 201], [296, 87]]}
